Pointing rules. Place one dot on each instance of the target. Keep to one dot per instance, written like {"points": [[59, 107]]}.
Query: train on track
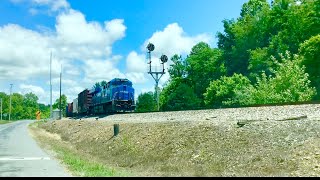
{"points": [[115, 96]]}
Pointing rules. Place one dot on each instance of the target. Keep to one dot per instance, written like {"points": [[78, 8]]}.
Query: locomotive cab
{"points": [[122, 95]]}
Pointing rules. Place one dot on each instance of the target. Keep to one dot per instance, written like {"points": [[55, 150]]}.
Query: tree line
{"points": [[26, 106], [270, 54]]}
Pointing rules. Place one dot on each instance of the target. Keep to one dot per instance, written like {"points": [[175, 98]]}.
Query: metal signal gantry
{"points": [[156, 75]]}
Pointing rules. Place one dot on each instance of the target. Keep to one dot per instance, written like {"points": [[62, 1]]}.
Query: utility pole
{"points": [[60, 93], [163, 59], [50, 88], [10, 102], [1, 109]]}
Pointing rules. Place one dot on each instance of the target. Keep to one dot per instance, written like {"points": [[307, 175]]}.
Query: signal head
{"points": [[150, 47], [164, 59]]}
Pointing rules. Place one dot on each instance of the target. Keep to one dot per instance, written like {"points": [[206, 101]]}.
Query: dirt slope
{"points": [[199, 148]]}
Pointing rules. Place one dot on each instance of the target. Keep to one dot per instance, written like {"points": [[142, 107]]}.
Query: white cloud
{"points": [[73, 29], [79, 39], [58, 4], [136, 78], [116, 58], [116, 29], [23, 53], [33, 11], [37, 90], [71, 69], [136, 63], [52, 5], [99, 70], [30, 88], [173, 40], [72, 92], [65, 82], [76, 44]]}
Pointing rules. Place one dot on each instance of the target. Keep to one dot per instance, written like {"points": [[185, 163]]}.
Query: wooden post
{"points": [[115, 129]]}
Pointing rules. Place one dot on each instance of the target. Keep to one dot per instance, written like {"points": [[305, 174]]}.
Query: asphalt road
{"points": [[20, 156]]}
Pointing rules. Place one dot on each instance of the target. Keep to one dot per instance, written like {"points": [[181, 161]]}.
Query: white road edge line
{"points": [[23, 158]]}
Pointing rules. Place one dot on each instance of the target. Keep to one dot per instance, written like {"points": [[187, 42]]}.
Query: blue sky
{"points": [[99, 40]]}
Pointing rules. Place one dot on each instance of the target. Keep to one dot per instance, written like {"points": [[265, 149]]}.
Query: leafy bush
{"points": [[221, 92], [146, 102], [290, 84], [178, 95]]}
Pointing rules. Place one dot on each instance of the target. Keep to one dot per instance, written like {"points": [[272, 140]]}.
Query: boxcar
{"points": [[84, 102]]}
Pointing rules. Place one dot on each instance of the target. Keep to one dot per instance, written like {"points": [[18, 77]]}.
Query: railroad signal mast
{"points": [[156, 75]]}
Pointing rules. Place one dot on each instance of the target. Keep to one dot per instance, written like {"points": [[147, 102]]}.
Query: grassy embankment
{"points": [[266, 148]]}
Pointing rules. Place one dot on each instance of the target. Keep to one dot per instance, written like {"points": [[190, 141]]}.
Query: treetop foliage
{"points": [[25, 106], [269, 54]]}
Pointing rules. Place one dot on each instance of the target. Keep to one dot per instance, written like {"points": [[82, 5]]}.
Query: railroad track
{"points": [[228, 115]]}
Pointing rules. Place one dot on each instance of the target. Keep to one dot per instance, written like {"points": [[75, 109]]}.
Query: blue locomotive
{"points": [[115, 96]]}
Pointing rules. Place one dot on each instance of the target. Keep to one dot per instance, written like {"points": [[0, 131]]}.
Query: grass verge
{"points": [[84, 167], [76, 163], [5, 121]]}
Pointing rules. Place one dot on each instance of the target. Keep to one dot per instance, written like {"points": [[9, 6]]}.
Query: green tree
{"points": [[251, 45], [64, 103], [45, 111], [260, 61], [246, 33], [30, 102], [99, 84], [310, 51], [103, 83], [178, 68], [178, 95], [203, 66], [23, 106], [252, 8], [5, 104], [146, 102], [17, 110], [264, 30], [96, 85]]}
